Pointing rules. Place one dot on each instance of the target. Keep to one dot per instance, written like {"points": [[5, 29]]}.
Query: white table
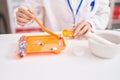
{"points": [[65, 66]]}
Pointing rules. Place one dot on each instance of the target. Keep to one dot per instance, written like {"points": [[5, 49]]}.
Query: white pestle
{"points": [[98, 39]]}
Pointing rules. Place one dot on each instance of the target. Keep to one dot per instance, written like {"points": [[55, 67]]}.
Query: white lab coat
{"points": [[56, 14]]}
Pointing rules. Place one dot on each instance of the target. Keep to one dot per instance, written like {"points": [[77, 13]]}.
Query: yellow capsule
{"points": [[67, 33]]}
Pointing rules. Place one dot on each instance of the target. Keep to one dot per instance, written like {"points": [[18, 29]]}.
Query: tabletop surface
{"points": [[64, 66]]}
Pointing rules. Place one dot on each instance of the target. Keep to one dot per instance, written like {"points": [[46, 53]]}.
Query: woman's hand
{"points": [[23, 16], [81, 29]]}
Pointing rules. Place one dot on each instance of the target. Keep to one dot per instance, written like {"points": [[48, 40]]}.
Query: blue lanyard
{"points": [[74, 14]]}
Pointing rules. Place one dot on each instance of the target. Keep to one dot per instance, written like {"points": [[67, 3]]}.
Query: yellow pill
{"points": [[67, 33]]}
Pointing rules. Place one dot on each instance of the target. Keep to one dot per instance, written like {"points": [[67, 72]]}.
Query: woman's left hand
{"points": [[81, 29]]}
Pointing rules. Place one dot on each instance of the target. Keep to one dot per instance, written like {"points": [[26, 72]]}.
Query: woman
{"points": [[81, 16]]}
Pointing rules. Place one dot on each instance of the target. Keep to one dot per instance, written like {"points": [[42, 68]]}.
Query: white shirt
{"points": [[56, 14], [74, 4]]}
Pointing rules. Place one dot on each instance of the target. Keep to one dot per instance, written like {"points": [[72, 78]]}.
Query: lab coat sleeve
{"points": [[34, 5], [101, 18]]}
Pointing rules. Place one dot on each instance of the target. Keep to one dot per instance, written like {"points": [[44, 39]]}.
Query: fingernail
{"points": [[75, 33]]}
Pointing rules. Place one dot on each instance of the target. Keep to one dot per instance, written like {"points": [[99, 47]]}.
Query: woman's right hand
{"points": [[23, 16]]}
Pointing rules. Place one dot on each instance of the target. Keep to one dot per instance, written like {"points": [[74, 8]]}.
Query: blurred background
{"points": [[8, 24]]}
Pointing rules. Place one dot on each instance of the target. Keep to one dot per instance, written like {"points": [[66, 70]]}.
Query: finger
{"points": [[79, 27], [22, 20], [83, 31], [74, 27], [20, 23], [89, 30], [19, 14], [73, 30], [26, 12], [88, 25]]}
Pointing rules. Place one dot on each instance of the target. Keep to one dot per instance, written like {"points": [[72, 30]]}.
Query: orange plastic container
{"points": [[40, 44], [52, 43]]}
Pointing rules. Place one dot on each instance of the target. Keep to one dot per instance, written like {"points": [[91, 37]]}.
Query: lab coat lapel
{"points": [[87, 8]]}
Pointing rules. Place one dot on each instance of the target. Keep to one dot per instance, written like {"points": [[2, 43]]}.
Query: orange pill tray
{"points": [[40, 44]]}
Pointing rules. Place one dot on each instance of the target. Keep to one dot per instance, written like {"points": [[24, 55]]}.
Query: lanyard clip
{"points": [[92, 5]]}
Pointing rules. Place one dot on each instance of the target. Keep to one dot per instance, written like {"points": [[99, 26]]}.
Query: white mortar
{"points": [[106, 51]]}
